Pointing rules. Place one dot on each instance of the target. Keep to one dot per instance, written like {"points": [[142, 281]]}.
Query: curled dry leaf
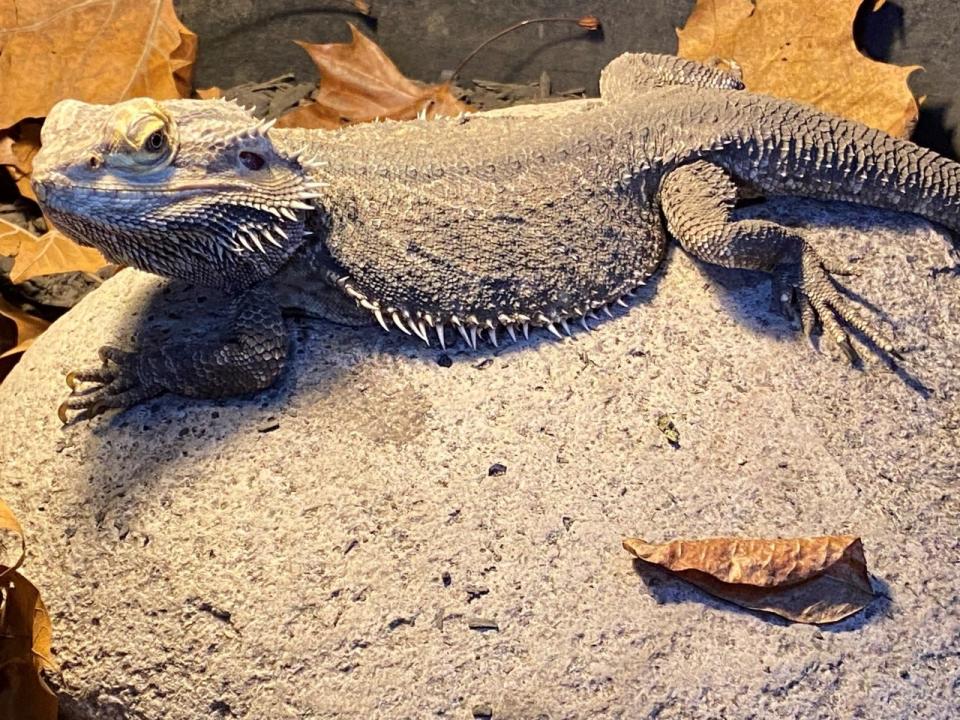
{"points": [[803, 50], [810, 580], [590, 22], [359, 83], [25, 640]]}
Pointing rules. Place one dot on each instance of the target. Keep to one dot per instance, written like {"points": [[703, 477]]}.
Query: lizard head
{"points": [[191, 189]]}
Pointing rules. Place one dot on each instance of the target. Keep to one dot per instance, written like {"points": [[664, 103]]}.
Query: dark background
{"points": [[246, 40]]}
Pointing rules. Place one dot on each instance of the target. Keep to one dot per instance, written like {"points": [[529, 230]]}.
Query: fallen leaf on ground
{"points": [[24, 331], [210, 93], [359, 83], [96, 51], [362, 6], [17, 151], [51, 253], [803, 50], [10, 524], [810, 580], [25, 640]]}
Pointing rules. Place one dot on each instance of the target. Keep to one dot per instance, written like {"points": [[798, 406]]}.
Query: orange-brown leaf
{"points": [[25, 329], [51, 253], [590, 22], [26, 636], [10, 524], [811, 580], [25, 650], [805, 51], [210, 93], [359, 83], [17, 151], [101, 52], [362, 6]]}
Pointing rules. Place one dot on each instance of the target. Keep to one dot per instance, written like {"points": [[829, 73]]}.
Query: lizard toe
{"points": [[114, 384], [824, 302]]}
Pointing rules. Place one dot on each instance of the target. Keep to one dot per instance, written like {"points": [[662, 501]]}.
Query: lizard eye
{"points": [[141, 137], [155, 141]]}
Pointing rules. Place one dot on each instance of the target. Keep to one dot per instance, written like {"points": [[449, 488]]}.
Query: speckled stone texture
{"points": [[343, 546]]}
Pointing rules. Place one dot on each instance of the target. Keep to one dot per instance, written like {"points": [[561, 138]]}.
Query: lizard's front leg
{"points": [[248, 357], [697, 199]]}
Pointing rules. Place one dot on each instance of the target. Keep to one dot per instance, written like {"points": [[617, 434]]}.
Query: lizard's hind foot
{"points": [[820, 300]]}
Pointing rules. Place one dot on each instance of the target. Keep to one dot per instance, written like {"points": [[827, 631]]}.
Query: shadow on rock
{"points": [[323, 366], [847, 231]]}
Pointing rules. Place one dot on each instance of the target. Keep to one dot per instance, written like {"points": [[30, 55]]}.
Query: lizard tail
{"points": [[801, 151]]}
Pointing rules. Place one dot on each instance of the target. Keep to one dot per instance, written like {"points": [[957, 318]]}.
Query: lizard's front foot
{"points": [[820, 300], [116, 383], [247, 358]]}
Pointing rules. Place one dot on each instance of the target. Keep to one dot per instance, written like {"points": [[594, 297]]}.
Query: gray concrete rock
{"points": [[342, 546]]}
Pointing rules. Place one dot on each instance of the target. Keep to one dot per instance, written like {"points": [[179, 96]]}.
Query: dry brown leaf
{"points": [[359, 83], [25, 641], [810, 580], [210, 93], [24, 651], [99, 51], [362, 6], [51, 253], [803, 50], [26, 328], [17, 151], [9, 523]]}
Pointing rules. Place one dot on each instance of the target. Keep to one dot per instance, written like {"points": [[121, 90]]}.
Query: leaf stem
{"points": [[587, 22]]}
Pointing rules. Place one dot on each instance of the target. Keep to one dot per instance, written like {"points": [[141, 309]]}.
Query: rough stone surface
{"points": [[398, 532]]}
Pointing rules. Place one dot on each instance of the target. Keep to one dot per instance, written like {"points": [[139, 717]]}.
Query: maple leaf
{"points": [[805, 51], [98, 51], [359, 83], [810, 580]]}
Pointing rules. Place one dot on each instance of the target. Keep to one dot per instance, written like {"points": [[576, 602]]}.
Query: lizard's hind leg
{"points": [[697, 199]]}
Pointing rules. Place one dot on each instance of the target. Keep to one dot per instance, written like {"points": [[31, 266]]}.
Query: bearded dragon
{"points": [[477, 226]]}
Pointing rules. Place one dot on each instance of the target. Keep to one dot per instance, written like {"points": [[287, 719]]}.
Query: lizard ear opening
{"points": [[251, 160]]}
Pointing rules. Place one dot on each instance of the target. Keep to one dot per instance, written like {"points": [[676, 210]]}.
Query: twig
{"points": [[589, 23]]}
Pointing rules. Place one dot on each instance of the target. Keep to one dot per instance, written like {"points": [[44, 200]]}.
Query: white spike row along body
{"points": [[379, 316], [399, 323]]}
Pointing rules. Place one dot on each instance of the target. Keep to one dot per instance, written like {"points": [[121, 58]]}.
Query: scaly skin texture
{"points": [[482, 225]]}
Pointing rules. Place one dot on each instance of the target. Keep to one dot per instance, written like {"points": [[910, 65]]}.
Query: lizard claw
{"points": [[115, 384], [821, 301]]}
